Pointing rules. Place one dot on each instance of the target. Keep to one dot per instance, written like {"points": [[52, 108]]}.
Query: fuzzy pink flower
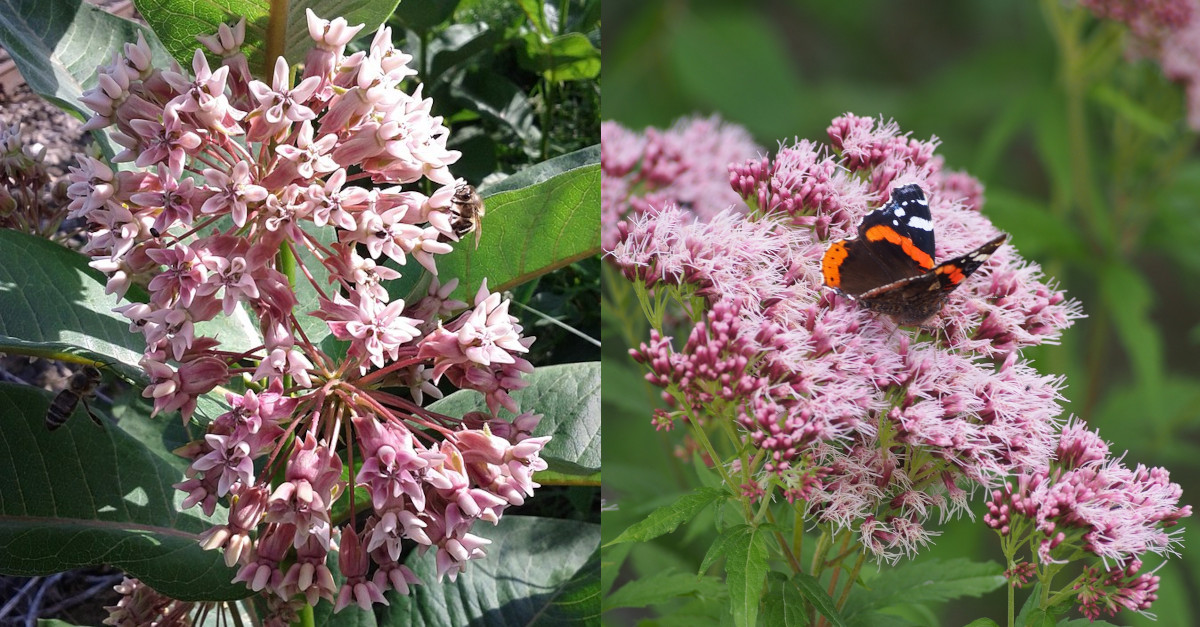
{"points": [[814, 379]]}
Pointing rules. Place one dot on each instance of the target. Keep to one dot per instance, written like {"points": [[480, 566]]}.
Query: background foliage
{"points": [[1119, 232]]}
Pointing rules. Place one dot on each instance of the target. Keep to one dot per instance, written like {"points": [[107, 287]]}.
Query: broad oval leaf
{"points": [[57, 45], [568, 397], [540, 219], [82, 495], [538, 571], [53, 305], [178, 22]]}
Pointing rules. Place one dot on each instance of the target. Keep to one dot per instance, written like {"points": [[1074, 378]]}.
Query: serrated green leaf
{"points": [[667, 519], [812, 590], [58, 44], [538, 571], [746, 572], [928, 581], [178, 22], [982, 622], [783, 605], [568, 397], [82, 496], [663, 587]]}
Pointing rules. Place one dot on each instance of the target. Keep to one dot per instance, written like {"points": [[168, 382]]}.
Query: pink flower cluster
{"points": [[1167, 31], [683, 166], [233, 177], [1086, 500], [878, 428]]}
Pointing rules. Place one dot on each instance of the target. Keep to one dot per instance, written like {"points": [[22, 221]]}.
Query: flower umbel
{"points": [[260, 195]]}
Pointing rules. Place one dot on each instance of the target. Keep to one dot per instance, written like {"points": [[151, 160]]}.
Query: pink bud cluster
{"points": [[879, 429], [235, 176], [1085, 500]]}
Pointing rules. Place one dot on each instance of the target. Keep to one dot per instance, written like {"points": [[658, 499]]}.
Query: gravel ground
{"points": [[46, 124]]}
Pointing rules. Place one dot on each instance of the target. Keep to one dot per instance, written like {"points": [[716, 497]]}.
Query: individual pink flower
{"points": [[232, 192], [279, 102]]}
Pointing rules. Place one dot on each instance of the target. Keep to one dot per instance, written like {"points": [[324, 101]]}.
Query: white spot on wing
{"points": [[920, 223], [900, 212]]}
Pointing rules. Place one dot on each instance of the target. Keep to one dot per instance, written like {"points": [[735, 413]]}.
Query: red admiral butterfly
{"points": [[889, 265]]}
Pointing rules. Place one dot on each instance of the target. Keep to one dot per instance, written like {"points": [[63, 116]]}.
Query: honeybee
{"points": [[80, 387], [466, 212]]}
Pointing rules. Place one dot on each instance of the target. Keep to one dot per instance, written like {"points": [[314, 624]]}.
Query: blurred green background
{"points": [[1110, 207]]}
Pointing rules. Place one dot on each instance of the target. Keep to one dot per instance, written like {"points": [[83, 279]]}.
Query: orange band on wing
{"points": [[831, 263], [955, 272], [882, 232]]}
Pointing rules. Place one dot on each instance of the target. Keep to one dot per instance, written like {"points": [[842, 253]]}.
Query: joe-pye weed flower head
{"points": [[231, 175], [863, 425]]}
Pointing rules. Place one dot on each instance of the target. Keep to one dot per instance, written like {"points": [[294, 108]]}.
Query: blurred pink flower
{"points": [[685, 166]]}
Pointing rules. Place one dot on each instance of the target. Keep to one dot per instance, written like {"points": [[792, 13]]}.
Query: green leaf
{"points": [[931, 580], [982, 622], [568, 57], [812, 590], [783, 605], [663, 587], [178, 22], [534, 13], [423, 16], [711, 48], [1129, 301], [745, 572], [667, 519], [82, 496], [52, 304], [57, 308], [1133, 112], [546, 170], [551, 221], [568, 397], [539, 571], [58, 44]]}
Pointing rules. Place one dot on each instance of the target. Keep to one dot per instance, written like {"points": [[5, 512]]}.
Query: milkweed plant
{"points": [[230, 192], [842, 440]]}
